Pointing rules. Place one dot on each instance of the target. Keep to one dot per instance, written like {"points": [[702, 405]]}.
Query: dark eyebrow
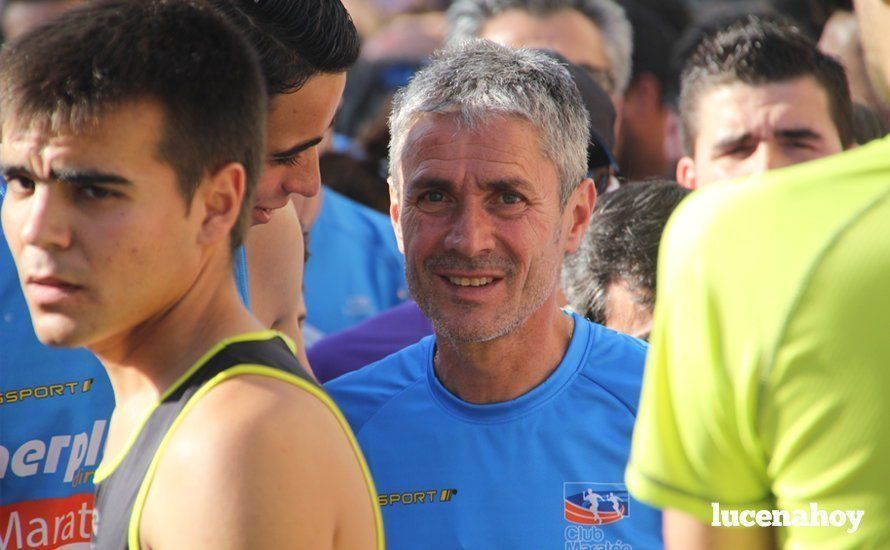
{"points": [[72, 176], [296, 149], [798, 133], [732, 142]]}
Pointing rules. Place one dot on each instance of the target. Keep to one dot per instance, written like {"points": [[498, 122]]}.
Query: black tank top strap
{"points": [[116, 493]]}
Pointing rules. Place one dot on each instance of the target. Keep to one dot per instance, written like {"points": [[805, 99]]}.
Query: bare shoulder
{"points": [[259, 462]]}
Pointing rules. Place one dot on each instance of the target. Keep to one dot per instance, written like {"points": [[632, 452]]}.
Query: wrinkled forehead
{"points": [[131, 131], [458, 134], [466, 123]]}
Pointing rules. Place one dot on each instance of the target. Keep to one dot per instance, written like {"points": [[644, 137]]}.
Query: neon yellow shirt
{"points": [[768, 381]]}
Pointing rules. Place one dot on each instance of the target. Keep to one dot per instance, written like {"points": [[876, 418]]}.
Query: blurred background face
{"points": [[567, 32], [841, 39], [874, 22], [744, 130], [295, 127], [20, 17]]}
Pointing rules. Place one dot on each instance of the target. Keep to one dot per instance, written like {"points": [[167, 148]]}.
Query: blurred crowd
{"points": [[404, 217]]}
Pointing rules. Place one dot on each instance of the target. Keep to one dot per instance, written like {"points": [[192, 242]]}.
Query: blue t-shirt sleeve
{"points": [[618, 367]]}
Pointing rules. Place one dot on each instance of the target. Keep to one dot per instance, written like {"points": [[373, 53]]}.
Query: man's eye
{"points": [[434, 196], [510, 198], [94, 192], [19, 184], [287, 161]]}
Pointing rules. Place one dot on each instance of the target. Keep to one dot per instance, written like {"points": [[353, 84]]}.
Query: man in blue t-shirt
{"points": [[510, 427]]}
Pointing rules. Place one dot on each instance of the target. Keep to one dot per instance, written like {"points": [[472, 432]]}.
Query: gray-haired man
{"points": [[491, 432]]}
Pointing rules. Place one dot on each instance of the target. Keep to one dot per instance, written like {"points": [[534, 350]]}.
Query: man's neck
{"points": [[507, 367], [143, 362]]}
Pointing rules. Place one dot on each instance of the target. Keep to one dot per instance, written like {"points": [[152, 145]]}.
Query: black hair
{"points": [[757, 51], [295, 39], [621, 245], [180, 53]]}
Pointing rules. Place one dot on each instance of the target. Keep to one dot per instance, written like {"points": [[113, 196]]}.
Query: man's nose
{"points": [[472, 231], [769, 156], [46, 218], [304, 179]]}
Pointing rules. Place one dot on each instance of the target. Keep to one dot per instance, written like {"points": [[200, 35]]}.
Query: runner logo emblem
{"points": [[595, 503]]}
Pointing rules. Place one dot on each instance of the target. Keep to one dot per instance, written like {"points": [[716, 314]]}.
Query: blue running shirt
{"points": [[545, 470]]}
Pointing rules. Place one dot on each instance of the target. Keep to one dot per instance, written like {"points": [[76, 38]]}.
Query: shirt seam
{"points": [[806, 281], [386, 403]]}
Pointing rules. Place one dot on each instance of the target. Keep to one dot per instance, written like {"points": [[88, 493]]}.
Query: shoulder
{"points": [[614, 362], [269, 450], [361, 394], [737, 254], [269, 411], [766, 212]]}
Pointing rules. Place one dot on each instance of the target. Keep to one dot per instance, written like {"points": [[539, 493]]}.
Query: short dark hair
{"points": [[295, 39], [621, 245], [181, 53], [756, 51]]}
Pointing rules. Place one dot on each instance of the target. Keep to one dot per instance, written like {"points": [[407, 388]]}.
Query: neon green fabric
{"points": [[765, 383]]}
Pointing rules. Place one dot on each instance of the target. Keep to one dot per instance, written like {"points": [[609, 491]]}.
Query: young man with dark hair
{"points": [[304, 48], [611, 279], [756, 96], [129, 168]]}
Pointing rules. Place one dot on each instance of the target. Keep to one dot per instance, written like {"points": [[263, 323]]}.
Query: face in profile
{"points": [[295, 126], [479, 219], [99, 229], [744, 130]]}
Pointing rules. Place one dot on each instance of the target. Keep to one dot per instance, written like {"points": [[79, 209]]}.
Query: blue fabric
{"points": [[241, 279], [355, 269], [54, 410], [452, 474]]}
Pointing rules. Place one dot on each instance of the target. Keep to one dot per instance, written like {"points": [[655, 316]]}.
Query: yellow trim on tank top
{"points": [[260, 370], [107, 467]]}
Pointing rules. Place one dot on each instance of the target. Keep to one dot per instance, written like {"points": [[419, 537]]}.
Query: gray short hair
{"points": [[467, 17], [477, 80]]}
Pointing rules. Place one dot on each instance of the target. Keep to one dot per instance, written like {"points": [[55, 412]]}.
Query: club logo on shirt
{"points": [[598, 504]]}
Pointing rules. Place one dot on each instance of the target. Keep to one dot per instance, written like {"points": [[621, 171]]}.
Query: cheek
{"points": [[269, 179], [10, 226]]}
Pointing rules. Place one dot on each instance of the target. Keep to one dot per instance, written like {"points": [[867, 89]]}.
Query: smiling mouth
{"points": [[470, 281]]}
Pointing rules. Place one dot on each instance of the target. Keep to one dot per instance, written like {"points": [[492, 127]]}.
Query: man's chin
{"points": [[466, 331], [60, 333]]}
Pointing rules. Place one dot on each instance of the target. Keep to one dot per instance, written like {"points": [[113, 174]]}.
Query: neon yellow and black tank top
{"points": [[122, 484]]}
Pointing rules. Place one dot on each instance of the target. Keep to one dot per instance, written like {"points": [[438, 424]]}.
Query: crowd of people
{"points": [[581, 274]]}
